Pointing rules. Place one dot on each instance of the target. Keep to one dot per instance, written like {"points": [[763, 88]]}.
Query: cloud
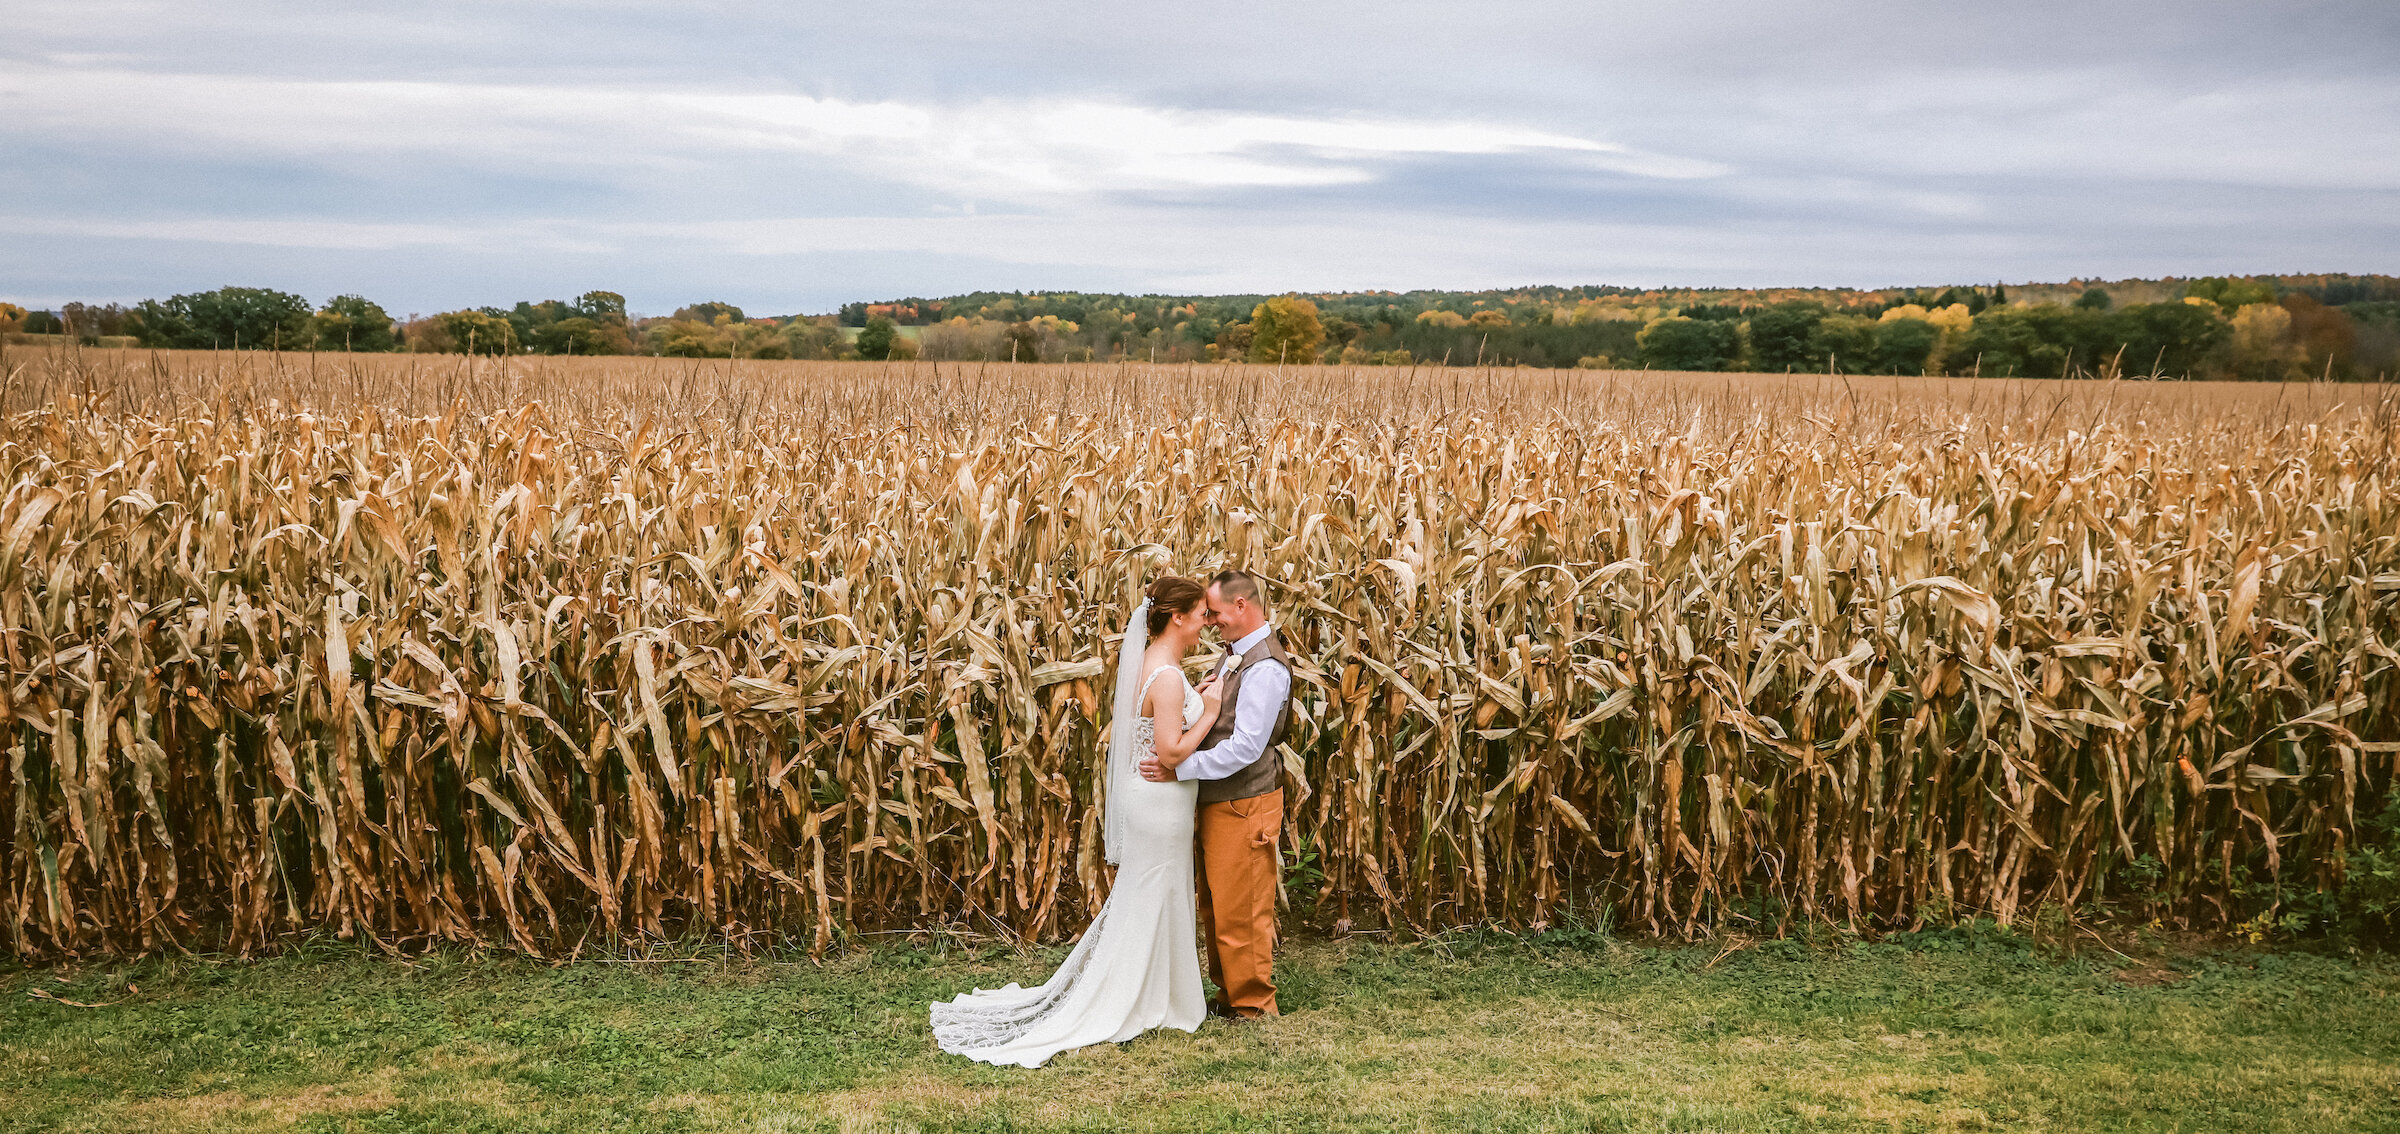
{"points": [[1007, 148], [445, 153], [330, 235]]}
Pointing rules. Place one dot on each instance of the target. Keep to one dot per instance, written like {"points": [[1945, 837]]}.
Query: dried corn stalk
{"points": [[824, 656]]}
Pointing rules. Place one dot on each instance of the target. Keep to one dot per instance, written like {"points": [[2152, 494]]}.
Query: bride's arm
{"points": [[1166, 704]]}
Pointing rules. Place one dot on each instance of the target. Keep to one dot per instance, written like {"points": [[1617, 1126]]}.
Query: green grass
{"points": [[1954, 1031]]}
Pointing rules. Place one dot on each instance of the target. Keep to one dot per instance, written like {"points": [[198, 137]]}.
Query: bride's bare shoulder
{"points": [[1156, 689]]}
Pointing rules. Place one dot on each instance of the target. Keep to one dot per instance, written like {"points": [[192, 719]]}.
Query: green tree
{"points": [[1845, 344], [1679, 343], [686, 338], [600, 306], [808, 338], [1973, 298], [2093, 299], [1285, 329], [875, 339], [591, 323], [2042, 341], [765, 340], [355, 323], [1782, 337], [1903, 345], [1340, 333], [473, 331], [708, 312], [527, 320], [2230, 295], [581, 334], [248, 317]]}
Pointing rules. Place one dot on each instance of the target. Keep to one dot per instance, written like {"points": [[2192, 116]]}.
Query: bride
{"points": [[1138, 966]]}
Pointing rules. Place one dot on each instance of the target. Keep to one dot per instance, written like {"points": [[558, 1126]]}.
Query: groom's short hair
{"points": [[1237, 585]]}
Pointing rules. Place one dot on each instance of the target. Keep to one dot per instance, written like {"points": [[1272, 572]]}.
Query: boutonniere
{"points": [[1233, 660]]}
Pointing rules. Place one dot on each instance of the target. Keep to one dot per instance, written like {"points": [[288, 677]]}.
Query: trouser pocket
{"points": [[1262, 815]]}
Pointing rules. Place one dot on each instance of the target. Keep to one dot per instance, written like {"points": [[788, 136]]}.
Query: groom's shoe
{"points": [[1221, 1010]]}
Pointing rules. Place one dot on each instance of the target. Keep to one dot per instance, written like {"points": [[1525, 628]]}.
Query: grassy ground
{"points": [[1944, 1032]]}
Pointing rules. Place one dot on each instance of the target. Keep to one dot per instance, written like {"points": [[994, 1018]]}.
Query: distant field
{"points": [[549, 653], [872, 392]]}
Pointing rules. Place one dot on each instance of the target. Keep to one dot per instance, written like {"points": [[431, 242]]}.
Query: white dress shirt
{"points": [[1264, 688]]}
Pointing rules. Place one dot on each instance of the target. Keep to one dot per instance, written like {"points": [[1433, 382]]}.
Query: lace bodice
{"points": [[1145, 730]]}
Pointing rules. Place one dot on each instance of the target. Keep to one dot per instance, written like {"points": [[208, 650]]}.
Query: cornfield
{"points": [[559, 655]]}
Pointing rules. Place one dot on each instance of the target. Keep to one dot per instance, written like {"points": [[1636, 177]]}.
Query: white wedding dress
{"points": [[1137, 967]]}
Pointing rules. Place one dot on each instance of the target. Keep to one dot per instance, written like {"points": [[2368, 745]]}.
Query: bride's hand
{"points": [[1212, 695]]}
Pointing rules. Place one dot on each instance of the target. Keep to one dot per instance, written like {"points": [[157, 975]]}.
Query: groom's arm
{"points": [[1264, 689]]}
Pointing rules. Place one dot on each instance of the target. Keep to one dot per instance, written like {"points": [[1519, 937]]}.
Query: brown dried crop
{"points": [[550, 654]]}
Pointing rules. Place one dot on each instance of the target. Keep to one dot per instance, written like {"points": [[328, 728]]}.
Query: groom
{"points": [[1241, 799]]}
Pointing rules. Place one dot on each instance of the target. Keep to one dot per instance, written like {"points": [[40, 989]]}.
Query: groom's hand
{"points": [[1156, 772]]}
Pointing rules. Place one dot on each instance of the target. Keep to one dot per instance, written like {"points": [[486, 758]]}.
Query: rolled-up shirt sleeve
{"points": [[1264, 689]]}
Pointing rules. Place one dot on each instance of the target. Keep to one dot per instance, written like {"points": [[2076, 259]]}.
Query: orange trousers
{"points": [[1239, 865]]}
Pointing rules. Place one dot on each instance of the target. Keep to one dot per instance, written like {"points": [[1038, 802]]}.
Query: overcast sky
{"points": [[437, 155]]}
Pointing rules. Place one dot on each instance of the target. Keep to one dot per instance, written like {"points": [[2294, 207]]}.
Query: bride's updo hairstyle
{"points": [[1169, 596]]}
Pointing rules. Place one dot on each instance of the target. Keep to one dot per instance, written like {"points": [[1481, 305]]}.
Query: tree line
{"points": [[2214, 327], [2261, 327], [596, 322]]}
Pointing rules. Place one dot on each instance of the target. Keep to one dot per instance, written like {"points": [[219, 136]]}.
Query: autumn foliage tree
{"points": [[466, 331], [592, 323], [1285, 329], [2325, 339]]}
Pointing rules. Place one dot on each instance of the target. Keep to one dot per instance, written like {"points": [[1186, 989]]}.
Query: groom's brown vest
{"points": [[1264, 774]]}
